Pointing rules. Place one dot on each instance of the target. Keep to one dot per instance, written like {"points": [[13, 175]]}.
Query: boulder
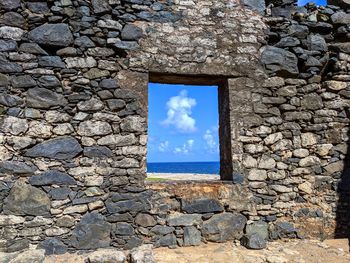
{"points": [[52, 35], [59, 148], [52, 177], [25, 199], [201, 206], [259, 227], [224, 227], [42, 98], [92, 232], [280, 61]]}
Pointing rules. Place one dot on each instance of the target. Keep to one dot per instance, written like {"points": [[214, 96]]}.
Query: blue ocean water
{"points": [[187, 167]]}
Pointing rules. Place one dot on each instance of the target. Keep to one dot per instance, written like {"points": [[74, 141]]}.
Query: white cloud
{"points": [[163, 147], [209, 138], [186, 148], [179, 112]]}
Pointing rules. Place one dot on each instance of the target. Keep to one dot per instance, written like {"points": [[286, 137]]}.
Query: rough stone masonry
{"points": [[73, 121]]}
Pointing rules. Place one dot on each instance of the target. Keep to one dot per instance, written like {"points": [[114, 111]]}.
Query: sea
{"points": [[185, 167]]}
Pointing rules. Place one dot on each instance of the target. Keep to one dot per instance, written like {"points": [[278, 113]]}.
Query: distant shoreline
{"points": [[182, 176]]}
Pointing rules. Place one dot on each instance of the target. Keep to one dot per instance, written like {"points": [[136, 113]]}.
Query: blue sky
{"points": [[183, 123], [318, 2]]}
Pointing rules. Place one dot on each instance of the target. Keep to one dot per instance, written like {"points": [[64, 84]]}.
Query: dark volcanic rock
{"points": [[49, 81], [23, 81], [16, 168], [9, 67], [341, 18], [97, 151], [10, 100], [224, 227], [60, 148], [53, 246], [201, 206], [100, 6], [166, 241], [7, 45], [92, 232], [52, 177], [192, 236], [254, 241], [131, 32], [10, 4], [52, 35], [280, 61], [123, 229], [32, 48], [42, 98], [51, 61], [258, 5], [316, 43], [145, 220], [13, 19], [25, 199]]}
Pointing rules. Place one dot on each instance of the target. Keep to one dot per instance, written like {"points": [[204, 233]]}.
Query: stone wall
{"points": [[73, 125]]}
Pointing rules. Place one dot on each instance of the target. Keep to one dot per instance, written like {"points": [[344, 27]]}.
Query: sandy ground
{"points": [[178, 176], [296, 251], [289, 251]]}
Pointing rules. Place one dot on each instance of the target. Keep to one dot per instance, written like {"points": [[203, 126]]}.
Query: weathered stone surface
{"points": [[60, 148], [13, 125], [224, 227], [106, 256], [26, 200], [192, 236], [184, 220], [131, 32], [52, 177], [53, 246], [94, 128], [280, 61], [8, 220], [10, 4], [8, 45], [100, 6], [253, 241], [142, 254], [92, 232], [98, 151], [42, 98], [52, 35], [93, 104], [24, 81], [166, 241], [13, 33], [16, 168], [260, 228], [88, 62], [201, 206], [145, 220]]}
